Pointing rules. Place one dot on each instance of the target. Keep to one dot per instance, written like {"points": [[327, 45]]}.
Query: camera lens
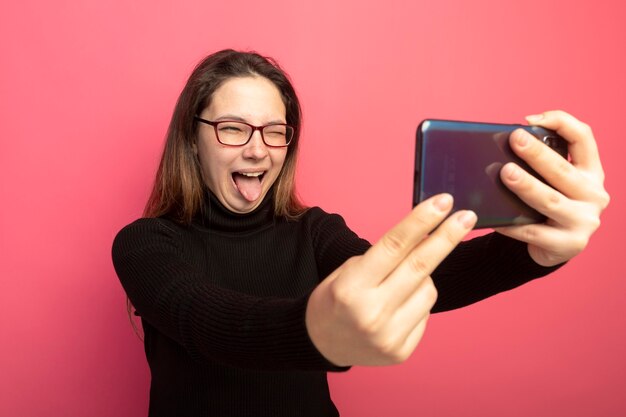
{"points": [[549, 140]]}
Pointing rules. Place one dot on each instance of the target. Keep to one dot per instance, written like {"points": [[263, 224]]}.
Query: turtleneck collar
{"points": [[215, 216]]}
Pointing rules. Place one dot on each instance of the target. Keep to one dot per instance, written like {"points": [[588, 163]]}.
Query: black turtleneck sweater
{"points": [[223, 304]]}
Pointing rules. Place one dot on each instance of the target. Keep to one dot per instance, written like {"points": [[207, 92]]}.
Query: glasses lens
{"points": [[233, 133], [277, 135]]}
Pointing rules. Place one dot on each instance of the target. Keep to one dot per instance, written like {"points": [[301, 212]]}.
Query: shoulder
{"points": [[147, 228], [147, 232], [318, 223], [316, 217], [324, 226]]}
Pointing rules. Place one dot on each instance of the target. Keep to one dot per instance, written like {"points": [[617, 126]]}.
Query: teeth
{"points": [[251, 174]]}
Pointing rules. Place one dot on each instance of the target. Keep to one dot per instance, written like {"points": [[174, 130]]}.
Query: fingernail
{"points": [[521, 138], [443, 202], [534, 118], [512, 172], [468, 219]]}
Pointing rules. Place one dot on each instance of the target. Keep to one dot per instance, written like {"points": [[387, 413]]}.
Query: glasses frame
{"points": [[254, 129]]}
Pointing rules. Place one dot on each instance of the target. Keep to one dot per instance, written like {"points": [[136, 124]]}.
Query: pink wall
{"points": [[86, 91]]}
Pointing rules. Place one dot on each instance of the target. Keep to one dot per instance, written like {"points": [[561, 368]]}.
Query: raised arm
{"points": [[373, 309]]}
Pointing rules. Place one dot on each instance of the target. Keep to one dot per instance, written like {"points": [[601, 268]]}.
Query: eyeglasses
{"points": [[234, 133]]}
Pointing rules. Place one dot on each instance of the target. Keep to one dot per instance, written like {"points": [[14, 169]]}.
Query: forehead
{"points": [[253, 98]]}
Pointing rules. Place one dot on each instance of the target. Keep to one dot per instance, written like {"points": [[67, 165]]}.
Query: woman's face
{"points": [[241, 176]]}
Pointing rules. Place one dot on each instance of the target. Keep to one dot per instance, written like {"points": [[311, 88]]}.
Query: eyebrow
{"points": [[241, 119]]}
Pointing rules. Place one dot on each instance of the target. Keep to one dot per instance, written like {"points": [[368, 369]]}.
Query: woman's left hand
{"points": [[575, 197]]}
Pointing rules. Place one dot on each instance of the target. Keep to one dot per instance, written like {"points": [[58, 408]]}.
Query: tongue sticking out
{"points": [[249, 187]]}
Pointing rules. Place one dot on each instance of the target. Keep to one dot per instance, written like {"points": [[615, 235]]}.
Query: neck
{"points": [[215, 216]]}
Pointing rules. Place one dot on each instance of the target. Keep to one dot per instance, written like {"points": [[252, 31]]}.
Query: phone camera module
{"points": [[551, 141]]}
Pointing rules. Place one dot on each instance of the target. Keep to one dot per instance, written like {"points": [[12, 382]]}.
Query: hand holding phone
{"points": [[464, 159], [574, 196]]}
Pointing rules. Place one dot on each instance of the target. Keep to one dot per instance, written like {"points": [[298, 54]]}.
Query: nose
{"points": [[255, 148]]}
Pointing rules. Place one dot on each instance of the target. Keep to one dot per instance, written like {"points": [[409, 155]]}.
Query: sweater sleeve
{"points": [[476, 269], [209, 321], [482, 267]]}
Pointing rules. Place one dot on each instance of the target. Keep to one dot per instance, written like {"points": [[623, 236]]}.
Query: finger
{"points": [[401, 324], [416, 307], [414, 338], [546, 243], [556, 170], [423, 259], [550, 237], [397, 243], [538, 195], [583, 148]]}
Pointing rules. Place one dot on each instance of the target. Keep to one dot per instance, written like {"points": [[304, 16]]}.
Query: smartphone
{"points": [[464, 159]]}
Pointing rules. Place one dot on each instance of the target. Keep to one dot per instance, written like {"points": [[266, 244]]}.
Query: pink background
{"points": [[86, 92]]}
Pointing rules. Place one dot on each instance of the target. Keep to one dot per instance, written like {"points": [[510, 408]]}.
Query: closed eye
{"points": [[230, 129]]}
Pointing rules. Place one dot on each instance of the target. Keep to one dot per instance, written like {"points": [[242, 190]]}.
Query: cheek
{"points": [[210, 162], [279, 160]]}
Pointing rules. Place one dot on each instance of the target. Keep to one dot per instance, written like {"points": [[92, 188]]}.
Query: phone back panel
{"points": [[465, 158]]}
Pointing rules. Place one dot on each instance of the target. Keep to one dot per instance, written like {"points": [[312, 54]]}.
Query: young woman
{"points": [[248, 298]]}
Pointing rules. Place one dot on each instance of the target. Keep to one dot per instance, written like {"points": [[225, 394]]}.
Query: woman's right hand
{"points": [[373, 309]]}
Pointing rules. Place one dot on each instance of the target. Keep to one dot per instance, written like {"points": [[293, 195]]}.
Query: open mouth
{"points": [[259, 174], [249, 184]]}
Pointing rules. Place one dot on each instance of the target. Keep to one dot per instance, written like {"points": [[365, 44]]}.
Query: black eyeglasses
{"points": [[235, 133]]}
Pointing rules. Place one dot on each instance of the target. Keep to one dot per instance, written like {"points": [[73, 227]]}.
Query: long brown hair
{"points": [[178, 190]]}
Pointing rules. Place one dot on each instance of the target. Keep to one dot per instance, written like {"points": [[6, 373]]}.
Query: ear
{"points": [[194, 148]]}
